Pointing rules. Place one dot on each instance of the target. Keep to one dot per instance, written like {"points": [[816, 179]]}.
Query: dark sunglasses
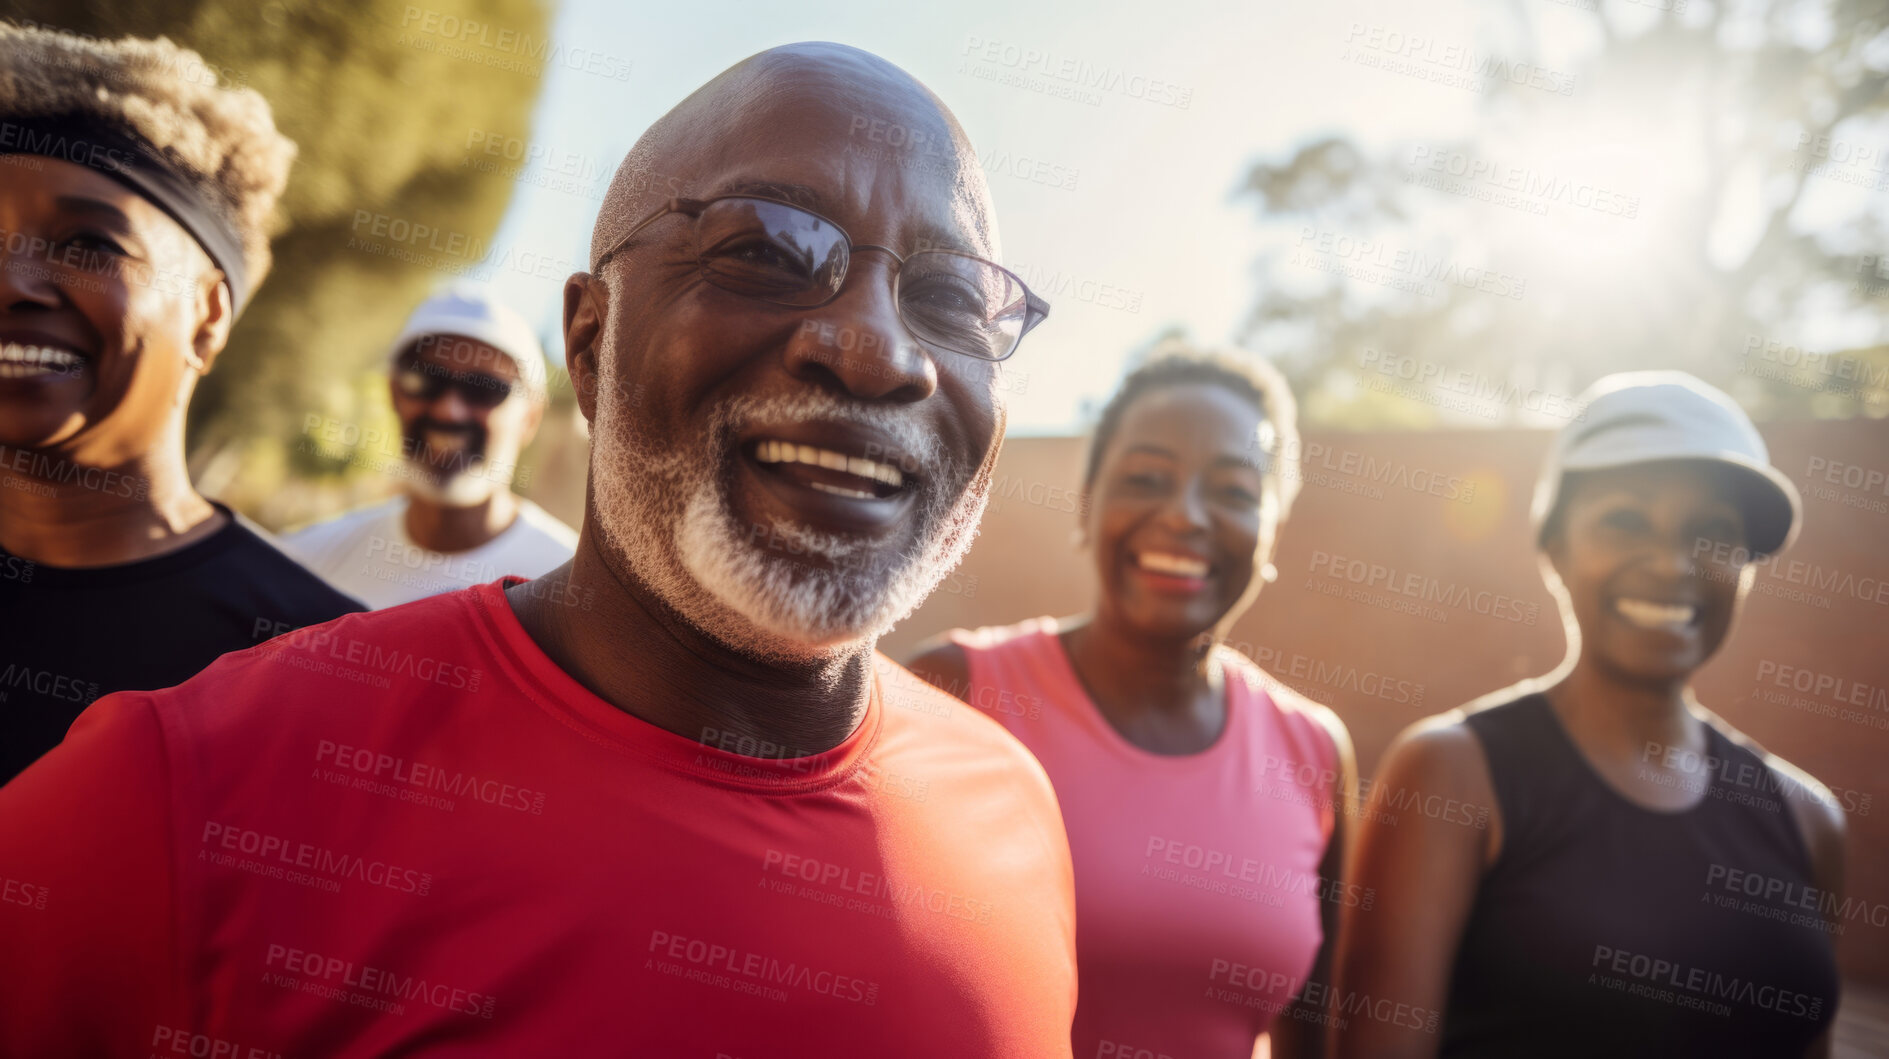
{"points": [[776, 252], [427, 383]]}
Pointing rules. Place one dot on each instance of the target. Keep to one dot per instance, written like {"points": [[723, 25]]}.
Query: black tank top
{"points": [[1607, 929]]}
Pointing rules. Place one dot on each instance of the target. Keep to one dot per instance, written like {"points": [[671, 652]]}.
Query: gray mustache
{"points": [[908, 443]]}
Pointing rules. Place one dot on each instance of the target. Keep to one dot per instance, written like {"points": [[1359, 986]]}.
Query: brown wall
{"points": [[1382, 669]]}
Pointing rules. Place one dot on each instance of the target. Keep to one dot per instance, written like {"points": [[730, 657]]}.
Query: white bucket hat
{"points": [[470, 311], [1646, 416]]}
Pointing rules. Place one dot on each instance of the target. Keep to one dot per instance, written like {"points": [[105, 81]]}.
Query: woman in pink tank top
{"points": [[1205, 803]]}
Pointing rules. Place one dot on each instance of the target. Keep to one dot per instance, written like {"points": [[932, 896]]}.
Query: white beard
{"points": [[664, 513]]}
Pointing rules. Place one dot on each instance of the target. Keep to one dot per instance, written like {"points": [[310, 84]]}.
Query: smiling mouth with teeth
{"points": [[20, 360], [853, 477], [446, 442], [1171, 564], [1647, 614]]}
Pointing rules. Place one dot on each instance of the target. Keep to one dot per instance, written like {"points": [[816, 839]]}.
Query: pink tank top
{"points": [[1197, 886]]}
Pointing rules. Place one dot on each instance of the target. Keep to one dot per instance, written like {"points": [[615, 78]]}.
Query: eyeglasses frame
{"points": [[1035, 308]]}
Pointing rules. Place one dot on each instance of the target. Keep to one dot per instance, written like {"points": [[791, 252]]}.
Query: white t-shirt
{"points": [[367, 553]]}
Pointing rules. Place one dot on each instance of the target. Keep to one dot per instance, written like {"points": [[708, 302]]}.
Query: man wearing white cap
{"points": [[468, 385]]}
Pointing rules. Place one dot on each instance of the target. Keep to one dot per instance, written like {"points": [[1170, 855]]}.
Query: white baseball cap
{"points": [[472, 312], [1644, 416]]}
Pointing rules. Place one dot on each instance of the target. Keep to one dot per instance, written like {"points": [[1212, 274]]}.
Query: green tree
{"points": [[382, 98], [1704, 188]]}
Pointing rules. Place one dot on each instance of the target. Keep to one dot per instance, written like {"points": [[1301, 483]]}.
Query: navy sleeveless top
{"points": [[1608, 929]]}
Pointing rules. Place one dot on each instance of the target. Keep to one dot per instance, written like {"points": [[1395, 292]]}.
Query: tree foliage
{"points": [[1710, 192], [382, 97]]}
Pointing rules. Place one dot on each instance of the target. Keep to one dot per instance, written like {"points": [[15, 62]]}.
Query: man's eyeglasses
{"points": [[426, 382], [777, 252]]}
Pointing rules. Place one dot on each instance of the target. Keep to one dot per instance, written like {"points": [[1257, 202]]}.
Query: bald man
{"points": [[665, 800]]}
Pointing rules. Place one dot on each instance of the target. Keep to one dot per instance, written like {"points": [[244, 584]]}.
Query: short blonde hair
{"points": [[225, 139]]}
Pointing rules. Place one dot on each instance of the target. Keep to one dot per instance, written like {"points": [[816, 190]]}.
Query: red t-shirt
{"points": [[408, 832]]}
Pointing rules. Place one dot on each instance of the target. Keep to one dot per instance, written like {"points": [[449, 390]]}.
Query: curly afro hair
{"points": [[167, 96]]}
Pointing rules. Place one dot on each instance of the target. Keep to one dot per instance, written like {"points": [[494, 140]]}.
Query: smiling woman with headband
{"points": [[1204, 801], [133, 213], [1604, 905]]}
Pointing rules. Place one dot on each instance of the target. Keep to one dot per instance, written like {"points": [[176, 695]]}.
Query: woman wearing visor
{"points": [[1606, 906], [1204, 801], [134, 207]]}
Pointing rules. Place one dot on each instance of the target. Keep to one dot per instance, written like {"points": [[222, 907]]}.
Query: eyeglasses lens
{"points": [[781, 254]]}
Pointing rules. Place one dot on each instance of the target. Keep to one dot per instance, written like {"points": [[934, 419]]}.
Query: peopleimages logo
{"points": [[315, 644], [1425, 588], [1849, 484], [424, 776], [1823, 694], [324, 971], [49, 684], [1784, 895], [25, 894], [917, 149], [1706, 988], [43, 468], [1846, 161], [169, 1040], [1446, 63], [529, 154], [279, 857], [1742, 778], [1535, 188], [1824, 685], [1482, 394], [752, 972], [454, 37], [1793, 572], [1077, 78], [876, 886], [1375, 258], [1315, 455], [1319, 676], [20, 139], [400, 231], [1770, 358], [1069, 286], [1234, 867], [1317, 995]]}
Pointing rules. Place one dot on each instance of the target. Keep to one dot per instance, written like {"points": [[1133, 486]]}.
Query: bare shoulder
{"points": [[1440, 762], [1444, 749], [942, 663], [1441, 746]]}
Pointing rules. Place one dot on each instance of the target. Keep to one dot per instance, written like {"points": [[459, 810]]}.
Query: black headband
{"points": [[113, 151]]}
